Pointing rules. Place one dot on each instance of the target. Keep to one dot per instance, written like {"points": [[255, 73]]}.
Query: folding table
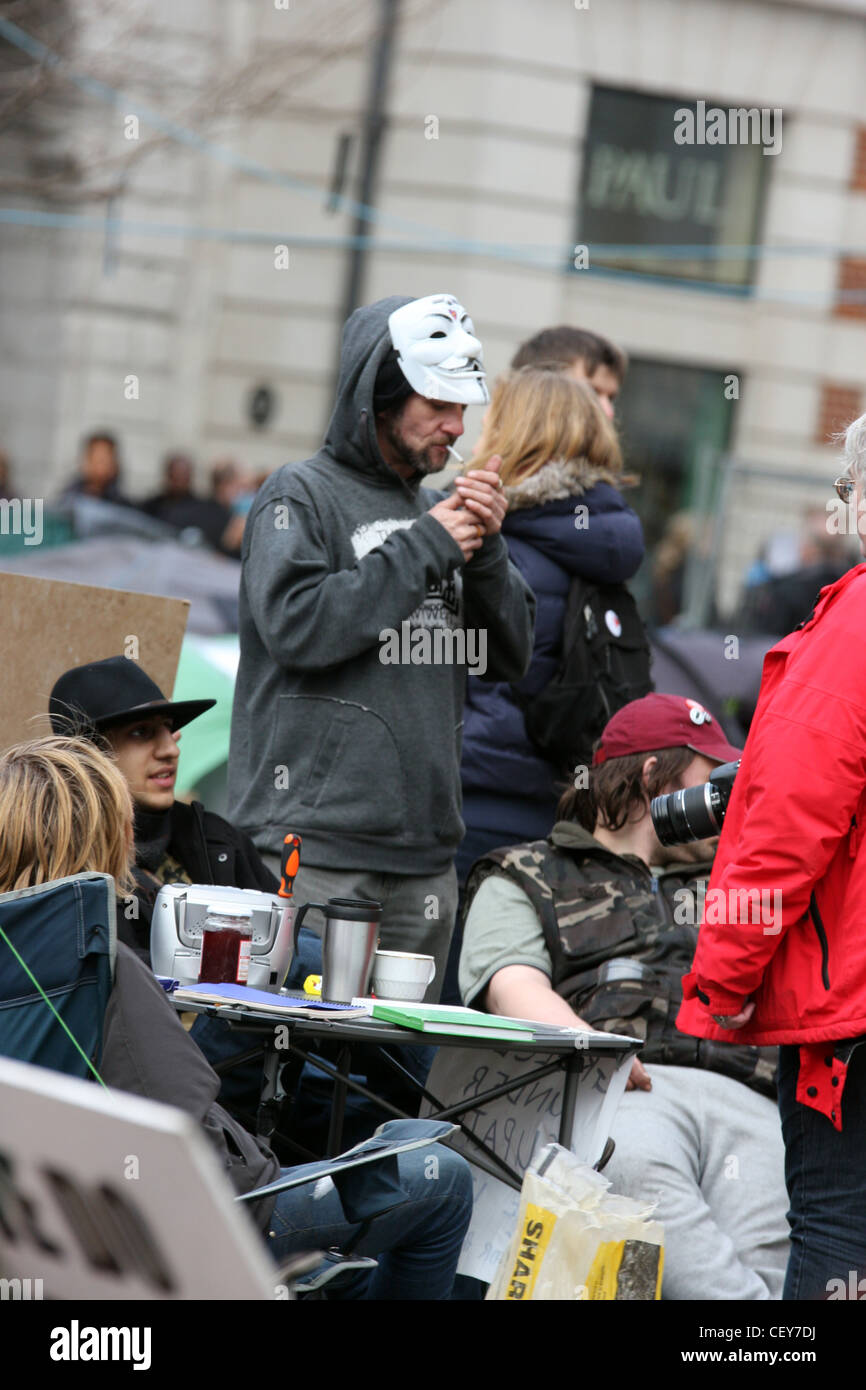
{"points": [[284, 1036]]}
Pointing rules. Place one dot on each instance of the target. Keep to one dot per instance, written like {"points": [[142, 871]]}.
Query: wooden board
{"points": [[48, 625]]}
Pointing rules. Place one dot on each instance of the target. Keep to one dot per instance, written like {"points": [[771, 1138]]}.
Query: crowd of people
{"points": [[417, 784], [216, 516]]}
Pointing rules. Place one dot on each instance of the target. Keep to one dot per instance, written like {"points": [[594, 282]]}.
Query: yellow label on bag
{"points": [[535, 1236], [627, 1270]]}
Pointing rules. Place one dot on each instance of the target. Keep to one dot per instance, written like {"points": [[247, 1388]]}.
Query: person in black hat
{"points": [[116, 705]]}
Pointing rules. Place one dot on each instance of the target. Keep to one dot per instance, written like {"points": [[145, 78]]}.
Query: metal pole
{"points": [[699, 577], [375, 121]]}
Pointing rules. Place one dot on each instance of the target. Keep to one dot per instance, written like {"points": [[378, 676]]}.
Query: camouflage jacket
{"points": [[595, 906]]}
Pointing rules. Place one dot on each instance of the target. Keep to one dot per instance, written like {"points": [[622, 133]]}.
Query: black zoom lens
{"points": [[693, 814]]}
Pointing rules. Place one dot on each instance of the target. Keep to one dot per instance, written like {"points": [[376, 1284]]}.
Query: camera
{"points": [[697, 812]]}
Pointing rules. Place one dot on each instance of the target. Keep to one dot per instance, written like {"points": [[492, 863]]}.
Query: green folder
{"points": [[461, 1023]]}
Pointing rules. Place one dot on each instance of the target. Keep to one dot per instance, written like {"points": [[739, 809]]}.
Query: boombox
{"points": [[179, 916]]}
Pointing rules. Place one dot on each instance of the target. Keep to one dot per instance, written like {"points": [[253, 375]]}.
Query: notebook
{"points": [[260, 1001], [453, 1022]]}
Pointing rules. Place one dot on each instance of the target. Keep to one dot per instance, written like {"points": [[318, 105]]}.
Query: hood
{"points": [[351, 434], [570, 834], [555, 480]]}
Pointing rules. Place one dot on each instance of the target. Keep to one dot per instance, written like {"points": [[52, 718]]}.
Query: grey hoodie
{"points": [[330, 737]]}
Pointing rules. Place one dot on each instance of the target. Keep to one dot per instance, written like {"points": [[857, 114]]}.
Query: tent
{"points": [[207, 670]]}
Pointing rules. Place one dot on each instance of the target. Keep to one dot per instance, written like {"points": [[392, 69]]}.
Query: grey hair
{"points": [[854, 448]]}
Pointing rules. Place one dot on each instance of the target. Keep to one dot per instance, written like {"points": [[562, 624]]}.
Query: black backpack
{"points": [[605, 663]]}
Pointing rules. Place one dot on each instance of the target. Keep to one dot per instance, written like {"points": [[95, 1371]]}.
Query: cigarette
{"points": [[454, 454]]}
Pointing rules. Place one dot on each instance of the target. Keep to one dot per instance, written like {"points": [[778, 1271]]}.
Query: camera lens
{"points": [[693, 814]]}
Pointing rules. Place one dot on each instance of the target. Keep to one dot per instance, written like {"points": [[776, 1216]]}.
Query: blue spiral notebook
{"points": [[261, 1001]]}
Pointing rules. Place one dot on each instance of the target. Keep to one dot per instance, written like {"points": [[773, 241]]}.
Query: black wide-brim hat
{"points": [[102, 694]]}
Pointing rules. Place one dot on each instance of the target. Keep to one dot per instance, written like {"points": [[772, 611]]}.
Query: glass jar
{"points": [[226, 945]]}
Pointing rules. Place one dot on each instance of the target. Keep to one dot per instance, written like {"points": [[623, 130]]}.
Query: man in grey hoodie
{"points": [[363, 599]]}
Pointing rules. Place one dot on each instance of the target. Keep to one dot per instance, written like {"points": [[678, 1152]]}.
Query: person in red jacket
{"points": [[781, 955]]}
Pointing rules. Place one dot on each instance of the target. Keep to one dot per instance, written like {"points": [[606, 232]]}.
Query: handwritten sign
{"points": [[517, 1124]]}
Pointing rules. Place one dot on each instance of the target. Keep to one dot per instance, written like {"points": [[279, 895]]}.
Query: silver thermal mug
{"points": [[349, 940]]}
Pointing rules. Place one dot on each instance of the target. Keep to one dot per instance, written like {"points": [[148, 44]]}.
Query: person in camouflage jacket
{"points": [[602, 924], [595, 906]]}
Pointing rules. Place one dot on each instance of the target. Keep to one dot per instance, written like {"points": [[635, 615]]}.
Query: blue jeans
{"points": [[825, 1172], [417, 1243]]}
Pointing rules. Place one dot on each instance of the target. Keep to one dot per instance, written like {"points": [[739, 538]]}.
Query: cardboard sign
{"points": [[48, 625], [108, 1196], [515, 1126]]}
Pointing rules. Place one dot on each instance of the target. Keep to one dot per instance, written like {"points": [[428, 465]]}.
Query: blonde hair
{"points": [[65, 809], [536, 416]]}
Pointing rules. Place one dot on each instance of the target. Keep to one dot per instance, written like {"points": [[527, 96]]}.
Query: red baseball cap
{"points": [[664, 721]]}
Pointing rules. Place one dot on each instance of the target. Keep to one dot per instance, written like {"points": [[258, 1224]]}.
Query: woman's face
{"points": [[146, 753]]}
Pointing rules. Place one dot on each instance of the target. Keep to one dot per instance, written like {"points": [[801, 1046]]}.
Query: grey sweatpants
{"points": [[710, 1151], [418, 910]]}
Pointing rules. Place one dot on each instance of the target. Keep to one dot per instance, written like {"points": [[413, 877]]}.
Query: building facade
{"points": [[687, 177]]}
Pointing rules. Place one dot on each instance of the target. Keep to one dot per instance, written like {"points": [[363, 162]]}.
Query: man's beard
{"points": [[419, 460]]}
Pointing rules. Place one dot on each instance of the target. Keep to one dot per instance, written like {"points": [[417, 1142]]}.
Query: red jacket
{"points": [[795, 831]]}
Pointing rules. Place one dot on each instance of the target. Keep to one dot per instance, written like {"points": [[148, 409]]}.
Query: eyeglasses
{"points": [[844, 488]]}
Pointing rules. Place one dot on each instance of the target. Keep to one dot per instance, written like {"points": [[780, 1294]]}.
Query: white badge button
{"points": [[697, 713]]}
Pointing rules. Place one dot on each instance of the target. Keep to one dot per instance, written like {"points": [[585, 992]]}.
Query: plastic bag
{"points": [[575, 1239]]}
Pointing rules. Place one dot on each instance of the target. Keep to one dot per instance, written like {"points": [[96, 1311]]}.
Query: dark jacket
{"points": [[595, 907], [341, 557], [508, 787], [204, 514], [146, 1051], [210, 850]]}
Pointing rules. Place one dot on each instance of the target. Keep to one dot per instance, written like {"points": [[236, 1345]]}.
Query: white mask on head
{"points": [[438, 352]]}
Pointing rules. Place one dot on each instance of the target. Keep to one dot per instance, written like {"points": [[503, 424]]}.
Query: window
{"points": [[674, 422], [640, 188]]}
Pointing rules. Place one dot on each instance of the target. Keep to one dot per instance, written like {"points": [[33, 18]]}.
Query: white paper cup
{"points": [[402, 975]]}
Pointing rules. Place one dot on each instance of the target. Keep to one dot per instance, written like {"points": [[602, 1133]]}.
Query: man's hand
{"points": [[735, 1020], [522, 991], [481, 493], [638, 1077], [460, 524]]}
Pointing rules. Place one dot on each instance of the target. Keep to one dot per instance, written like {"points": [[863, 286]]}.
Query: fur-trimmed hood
{"points": [[555, 480]]}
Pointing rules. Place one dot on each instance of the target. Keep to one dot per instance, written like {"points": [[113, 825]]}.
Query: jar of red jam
{"points": [[226, 945]]}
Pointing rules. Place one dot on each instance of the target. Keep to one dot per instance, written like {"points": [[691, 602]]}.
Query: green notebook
{"points": [[456, 1022]]}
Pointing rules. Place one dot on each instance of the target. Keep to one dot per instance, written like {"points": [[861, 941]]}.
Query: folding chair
{"points": [[58, 947], [57, 943]]}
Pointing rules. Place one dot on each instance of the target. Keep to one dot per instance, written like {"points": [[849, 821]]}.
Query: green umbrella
{"points": [[206, 671]]}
